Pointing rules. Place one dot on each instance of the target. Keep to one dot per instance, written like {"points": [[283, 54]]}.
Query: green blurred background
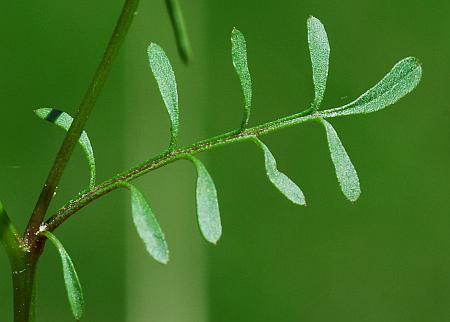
{"points": [[385, 258]]}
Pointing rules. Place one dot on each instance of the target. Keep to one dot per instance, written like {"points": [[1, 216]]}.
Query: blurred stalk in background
{"points": [[177, 291]]}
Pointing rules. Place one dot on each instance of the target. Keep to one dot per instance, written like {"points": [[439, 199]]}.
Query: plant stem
{"points": [[23, 267], [23, 277], [85, 109], [165, 158], [24, 252]]}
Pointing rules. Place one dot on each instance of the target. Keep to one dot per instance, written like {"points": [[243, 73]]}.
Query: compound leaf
{"points": [[147, 226], [319, 50], [239, 55], [285, 185], [71, 280], [400, 81], [64, 120], [208, 213], [165, 77], [345, 171]]}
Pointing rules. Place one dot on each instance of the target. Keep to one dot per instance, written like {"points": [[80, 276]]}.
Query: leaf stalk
{"points": [[166, 158]]}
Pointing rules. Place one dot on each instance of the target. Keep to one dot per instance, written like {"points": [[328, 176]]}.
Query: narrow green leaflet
{"points": [[64, 120], [239, 55], [285, 185], [208, 213], [400, 81], [319, 50], [73, 286], [345, 171], [179, 28], [147, 226], [9, 236], [165, 77]]}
